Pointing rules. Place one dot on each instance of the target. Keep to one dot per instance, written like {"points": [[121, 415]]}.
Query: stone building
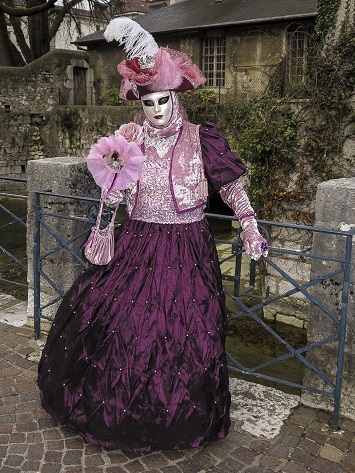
{"points": [[50, 107], [47, 109], [243, 48]]}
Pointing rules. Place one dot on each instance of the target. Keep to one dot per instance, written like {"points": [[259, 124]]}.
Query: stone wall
{"points": [[62, 131], [291, 310], [38, 117], [37, 87]]}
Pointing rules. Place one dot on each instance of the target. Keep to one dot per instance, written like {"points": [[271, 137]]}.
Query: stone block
{"points": [[65, 176], [290, 320], [335, 202], [335, 209], [15, 169]]}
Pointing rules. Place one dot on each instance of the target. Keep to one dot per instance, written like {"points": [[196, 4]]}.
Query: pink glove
{"points": [[114, 198], [233, 194], [254, 244]]}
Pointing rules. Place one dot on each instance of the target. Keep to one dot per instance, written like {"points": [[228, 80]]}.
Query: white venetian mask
{"points": [[158, 107]]}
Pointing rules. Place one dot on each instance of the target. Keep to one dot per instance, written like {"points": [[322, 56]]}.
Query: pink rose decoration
{"points": [[132, 132], [113, 161]]}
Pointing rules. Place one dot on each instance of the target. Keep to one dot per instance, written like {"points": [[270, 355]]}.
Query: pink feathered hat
{"points": [[150, 68]]}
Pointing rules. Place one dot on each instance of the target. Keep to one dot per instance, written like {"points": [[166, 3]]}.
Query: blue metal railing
{"points": [[340, 269], [9, 222], [333, 389]]}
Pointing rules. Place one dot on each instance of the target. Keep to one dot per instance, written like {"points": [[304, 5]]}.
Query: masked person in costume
{"points": [[135, 359]]}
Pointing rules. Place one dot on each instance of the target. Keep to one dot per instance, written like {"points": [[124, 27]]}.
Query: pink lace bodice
{"points": [[155, 202]]}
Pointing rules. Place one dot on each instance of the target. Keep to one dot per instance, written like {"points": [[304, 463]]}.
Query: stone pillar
{"points": [[335, 209], [62, 175]]}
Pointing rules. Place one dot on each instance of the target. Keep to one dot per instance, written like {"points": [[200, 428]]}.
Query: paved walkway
{"points": [[31, 442]]}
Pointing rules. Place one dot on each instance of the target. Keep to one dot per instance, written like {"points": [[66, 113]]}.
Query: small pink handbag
{"points": [[99, 248]]}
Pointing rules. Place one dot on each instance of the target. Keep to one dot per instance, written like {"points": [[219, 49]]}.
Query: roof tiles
{"points": [[204, 14]]}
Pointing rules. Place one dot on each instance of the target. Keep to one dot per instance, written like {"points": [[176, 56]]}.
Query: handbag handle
{"points": [[102, 201], [98, 217]]}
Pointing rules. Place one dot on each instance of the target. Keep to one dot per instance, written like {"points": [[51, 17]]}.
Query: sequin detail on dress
{"points": [[155, 202]]}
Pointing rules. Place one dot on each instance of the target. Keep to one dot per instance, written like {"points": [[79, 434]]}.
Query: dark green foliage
{"points": [[111, 97], [292, 145], [70, 121]]}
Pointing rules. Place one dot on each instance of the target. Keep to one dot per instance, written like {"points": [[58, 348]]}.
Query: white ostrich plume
{"points": [[137, 41]]}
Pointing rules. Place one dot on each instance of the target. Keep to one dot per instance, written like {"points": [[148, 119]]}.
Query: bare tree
{"points": [[34, 23]]}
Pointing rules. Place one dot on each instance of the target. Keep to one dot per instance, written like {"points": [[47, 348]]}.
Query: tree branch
{"points": [[59, 16], [24, 11], [20, 38]]}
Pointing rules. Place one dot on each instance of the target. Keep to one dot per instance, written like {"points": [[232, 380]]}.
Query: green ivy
{"points": [[331, 82], [111, 97], [201, 105], [70, 121], [264, 133], [266, 137], [326, 18]]}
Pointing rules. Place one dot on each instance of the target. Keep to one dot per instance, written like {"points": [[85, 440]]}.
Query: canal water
{"points": [[250, 343], [246, 340], [13, 240]]}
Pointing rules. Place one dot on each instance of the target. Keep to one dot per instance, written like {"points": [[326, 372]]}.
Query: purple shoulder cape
{"points": [[222, 166]]}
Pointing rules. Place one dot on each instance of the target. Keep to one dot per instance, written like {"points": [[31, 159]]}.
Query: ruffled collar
{"points": [[162, 132]]}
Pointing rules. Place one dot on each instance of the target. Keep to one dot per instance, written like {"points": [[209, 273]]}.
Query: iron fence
{"points": [[336, 268], [245, 283], [246, 292]]}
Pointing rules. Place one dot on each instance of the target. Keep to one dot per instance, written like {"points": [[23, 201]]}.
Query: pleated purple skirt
{"points": [[135, 358]]}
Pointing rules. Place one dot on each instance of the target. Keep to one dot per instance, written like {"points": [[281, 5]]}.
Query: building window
{"points": [[296, 54], [214, 61]]}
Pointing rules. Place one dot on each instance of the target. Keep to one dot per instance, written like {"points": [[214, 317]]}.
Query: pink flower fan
{"points": [[114, 160]]}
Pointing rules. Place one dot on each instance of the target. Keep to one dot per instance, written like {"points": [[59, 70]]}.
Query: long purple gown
{"points": [[135, 358]]}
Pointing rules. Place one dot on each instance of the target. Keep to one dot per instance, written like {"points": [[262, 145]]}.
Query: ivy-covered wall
{"points": [[293, 142]]}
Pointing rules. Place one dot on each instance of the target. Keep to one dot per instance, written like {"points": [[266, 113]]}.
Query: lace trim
{"points": [[161, 145]]}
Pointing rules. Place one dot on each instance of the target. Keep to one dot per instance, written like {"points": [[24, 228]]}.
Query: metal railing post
{"points": [[237, 250], [36, 268]]}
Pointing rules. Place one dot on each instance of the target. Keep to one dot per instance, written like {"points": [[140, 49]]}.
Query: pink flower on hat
{"points": [[115, 161]]}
